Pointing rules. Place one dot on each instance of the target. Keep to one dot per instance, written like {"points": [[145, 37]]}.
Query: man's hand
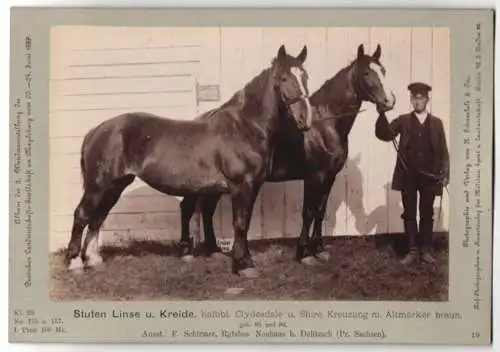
{"points": [[445, 182]]}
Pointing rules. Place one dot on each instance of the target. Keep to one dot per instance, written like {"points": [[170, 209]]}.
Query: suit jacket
{"points": [[386, 131]]}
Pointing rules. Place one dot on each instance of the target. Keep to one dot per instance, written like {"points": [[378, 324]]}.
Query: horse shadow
{"points": [[347, 189]]}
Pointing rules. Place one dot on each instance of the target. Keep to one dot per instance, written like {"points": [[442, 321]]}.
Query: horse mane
{"points": [[243, 109], [247, 99], [335, 89], [338, 96]]}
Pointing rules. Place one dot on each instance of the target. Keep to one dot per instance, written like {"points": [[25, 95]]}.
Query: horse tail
{"points": [[82, 158], [82, 169]]}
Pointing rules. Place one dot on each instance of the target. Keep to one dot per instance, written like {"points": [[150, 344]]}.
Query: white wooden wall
{"points": [[97, 73]]}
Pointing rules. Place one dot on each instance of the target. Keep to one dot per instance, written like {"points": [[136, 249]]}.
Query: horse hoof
{"points": [[76, 265], [94, 260], [323, 256], [187, 257], [249, 273], [310, 261]]}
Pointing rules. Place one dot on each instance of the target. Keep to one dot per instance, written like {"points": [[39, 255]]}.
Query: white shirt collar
{"points": [[421, 116]]}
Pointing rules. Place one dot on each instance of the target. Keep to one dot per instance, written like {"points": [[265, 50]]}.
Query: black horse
{"points": [[316, 156], [228, 153]]}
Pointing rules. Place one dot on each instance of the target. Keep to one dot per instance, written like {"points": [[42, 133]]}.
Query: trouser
{"points": [[418, 236]]}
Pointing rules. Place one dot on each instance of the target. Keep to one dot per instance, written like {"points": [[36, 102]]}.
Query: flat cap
{"points": [[419, 88]]}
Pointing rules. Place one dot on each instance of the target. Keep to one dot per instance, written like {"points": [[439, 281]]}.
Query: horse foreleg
{"points": [[208, 206], [312, 196], [194, 231], [316, 245], [243, 201], [307, 218]]}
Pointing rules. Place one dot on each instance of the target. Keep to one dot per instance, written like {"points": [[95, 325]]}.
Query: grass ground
{"points": [[364, 268]]}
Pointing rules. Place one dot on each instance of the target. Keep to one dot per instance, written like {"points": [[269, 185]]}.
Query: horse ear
{"points": [[361, 51], [377, 53], [303, 54], [282, 53]]}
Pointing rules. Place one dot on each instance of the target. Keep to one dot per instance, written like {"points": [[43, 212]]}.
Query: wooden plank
{"points": [[209, 69], [277, 197], [282, 203], [422, 70], [240, 62], [144, 85], [440, 97], [63, 72], [316, 65], [337, 58], [138, 188], [140, 221], [293, 203], [317, 58], [421, 64], [129, 203], [123, 101], [65, 161], [400, 73], [64, 124], [142, 65], [59, 239], [133, 56], [357, 165], [80, 38], [209, 73], [65, 145], [65, 196], [379, 171]]}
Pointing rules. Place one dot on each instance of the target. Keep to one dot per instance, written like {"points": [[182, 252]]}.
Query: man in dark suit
{"points": [[422, 167]]}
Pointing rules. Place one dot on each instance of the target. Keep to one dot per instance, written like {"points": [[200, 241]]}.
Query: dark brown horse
{"points": [[316, 156], [228, 153]]}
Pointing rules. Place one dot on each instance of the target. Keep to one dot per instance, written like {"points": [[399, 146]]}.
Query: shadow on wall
{"points": [[143, 213], [277, 194], [392, 212], [348, 190]]}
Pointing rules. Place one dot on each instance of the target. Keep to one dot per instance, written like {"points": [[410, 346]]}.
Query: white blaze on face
{"points": [[298, 76], [385, 85]]}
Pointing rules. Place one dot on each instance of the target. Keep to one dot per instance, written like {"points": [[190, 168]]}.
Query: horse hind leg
{"points": [[90, 252], [81, 218]]}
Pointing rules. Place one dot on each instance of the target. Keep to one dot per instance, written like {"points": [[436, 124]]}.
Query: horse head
{"points": [[371, 80], [291, 84]]}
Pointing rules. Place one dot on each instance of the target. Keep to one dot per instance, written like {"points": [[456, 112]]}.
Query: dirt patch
{"points": [[359, 269]]}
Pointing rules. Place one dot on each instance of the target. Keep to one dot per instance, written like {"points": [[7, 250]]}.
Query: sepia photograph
{"points": [[249, 163], [251, 176]]}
